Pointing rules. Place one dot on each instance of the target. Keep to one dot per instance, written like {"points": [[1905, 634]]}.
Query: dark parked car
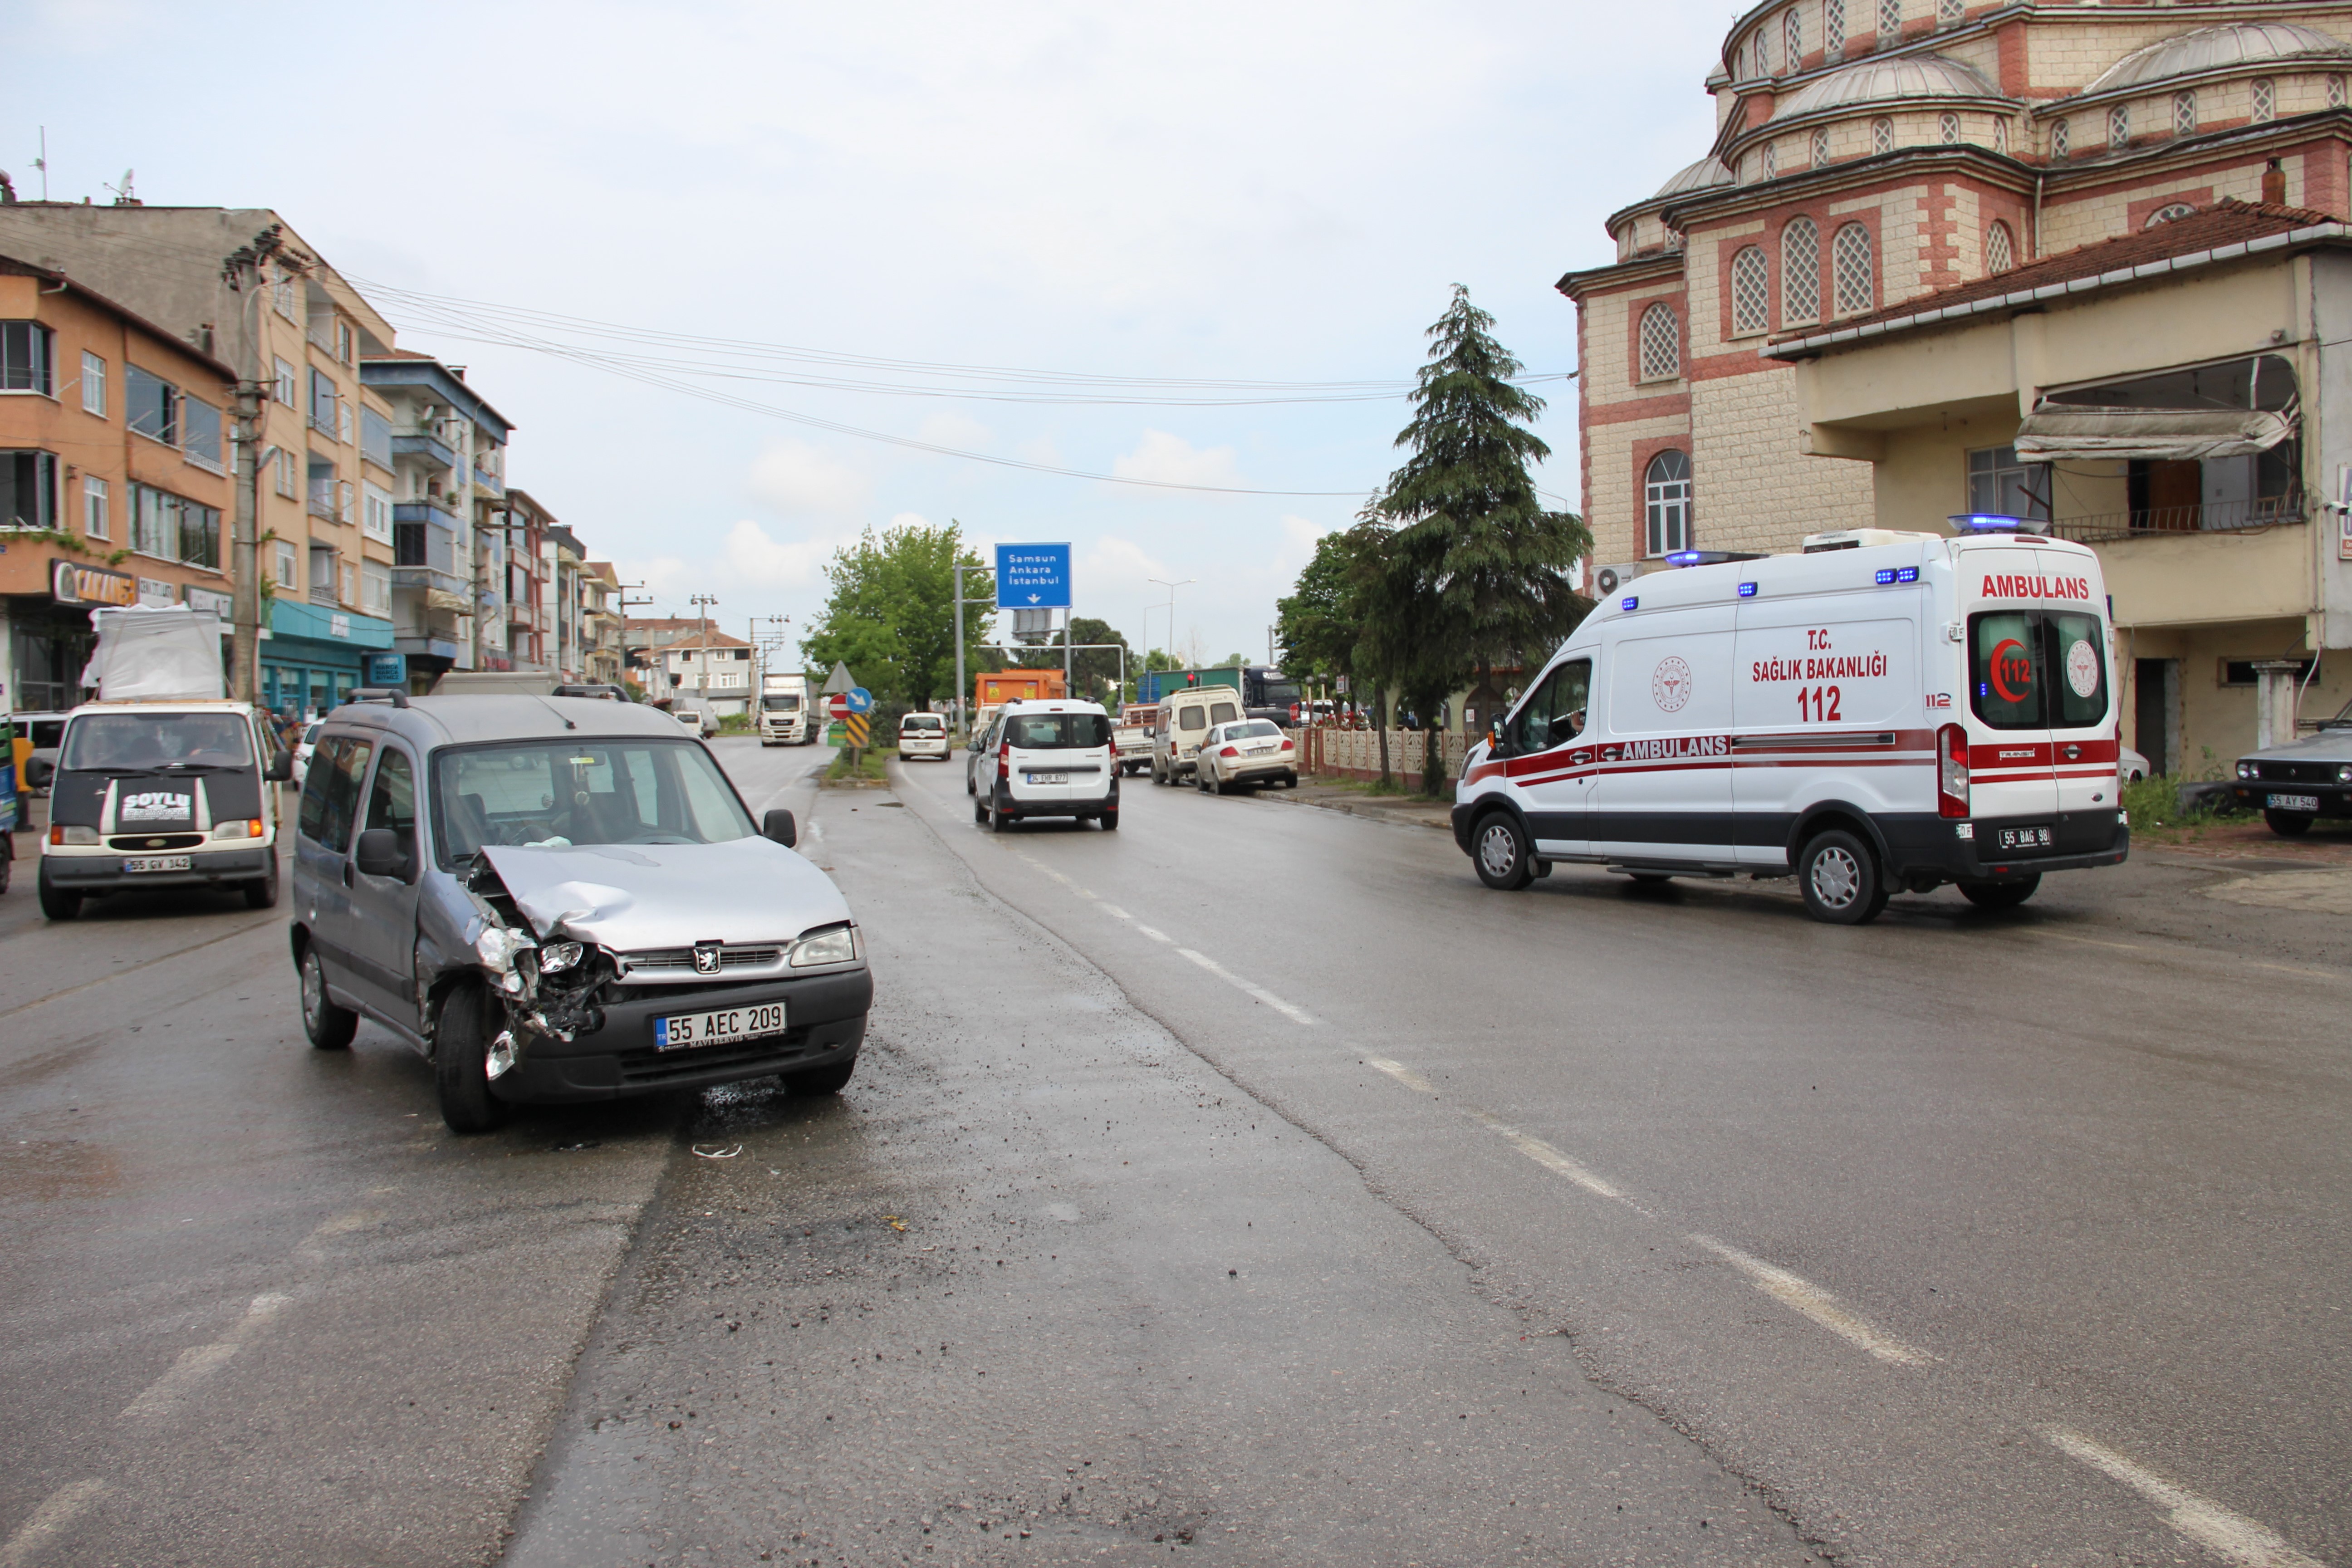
{"points": [[563, 898], [2295, 784]]}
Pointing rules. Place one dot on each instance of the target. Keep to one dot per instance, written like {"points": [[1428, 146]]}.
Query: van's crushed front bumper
{"points": [[824, 1019]]}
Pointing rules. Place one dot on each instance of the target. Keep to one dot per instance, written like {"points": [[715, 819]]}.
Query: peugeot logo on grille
{"points": [[706, 957]]}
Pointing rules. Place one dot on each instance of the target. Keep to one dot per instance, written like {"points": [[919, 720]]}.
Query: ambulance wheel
{"points": [[1841, 879], [1999, 895], [1499, 848], [2289, 824]]}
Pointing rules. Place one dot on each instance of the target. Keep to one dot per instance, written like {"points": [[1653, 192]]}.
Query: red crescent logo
{"points": [[2001, 665]]}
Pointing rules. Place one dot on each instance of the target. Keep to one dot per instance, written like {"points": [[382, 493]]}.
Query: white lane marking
{"points": [[1154, 935], [1809, 1299], [2231, 1537], [1115, 913], [48, 1519], [1402, 1073], [1258, 993], [199, 1362], [1543, 1154]]}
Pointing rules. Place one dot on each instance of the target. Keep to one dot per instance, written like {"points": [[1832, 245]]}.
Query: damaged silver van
{"points": [[558, 899]]}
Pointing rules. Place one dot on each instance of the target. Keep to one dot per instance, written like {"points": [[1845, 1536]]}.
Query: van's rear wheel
{"points": [[330, 1027], [2289, 824], [1841, 878], [1499, 848], [1999, 895]]}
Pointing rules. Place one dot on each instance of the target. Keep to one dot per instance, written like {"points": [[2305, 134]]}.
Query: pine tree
{"points": [[1475, 573]]}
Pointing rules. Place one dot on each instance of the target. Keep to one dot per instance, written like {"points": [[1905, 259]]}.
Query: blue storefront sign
{"points": [[1032, 576], [386, 668], [314, 655]]}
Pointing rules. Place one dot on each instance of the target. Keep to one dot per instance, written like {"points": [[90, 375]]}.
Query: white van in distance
{"points": [[1883, 711]]}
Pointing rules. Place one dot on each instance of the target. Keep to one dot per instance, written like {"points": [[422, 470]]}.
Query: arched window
{"points": [[1850, 265], [2335, 93], [1890, 21], [1770, 161], [2184, 114], [1947, 127], [1666, 502], [1832, 30], [2001, 137], [1821, 147], [2061, 142], [1801, 271], [1882, 136], [1751, 292], [1662, 343], [1792, 41], [1763, 52], [1950, 13], [2119, 127], [2169, 213], [2265, 102], [2001, 250]]}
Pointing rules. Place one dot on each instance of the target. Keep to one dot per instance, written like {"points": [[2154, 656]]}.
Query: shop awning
{"points": [[2055, 433]]}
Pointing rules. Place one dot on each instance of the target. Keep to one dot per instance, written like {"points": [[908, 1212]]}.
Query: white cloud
{"points": [[1299, 537], [952, 429], [799, 481], [750, 555], [1171, 460]]}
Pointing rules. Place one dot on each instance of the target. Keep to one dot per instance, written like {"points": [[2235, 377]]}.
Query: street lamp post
{"points": [[1171, 588]]}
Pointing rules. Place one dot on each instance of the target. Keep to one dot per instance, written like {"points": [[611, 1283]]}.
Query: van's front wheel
{"points": [[461, 1068], [1499, 848], [1841, 878]]}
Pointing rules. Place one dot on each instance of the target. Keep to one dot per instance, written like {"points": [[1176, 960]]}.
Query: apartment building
{"points": [[325, 550], [601, 615], [114, 486], [565, 561], [448, 455], [2074, 262]]}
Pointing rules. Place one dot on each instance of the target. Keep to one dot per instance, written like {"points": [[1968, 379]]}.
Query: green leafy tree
{"points": [[1476, 574], [890, 615]]}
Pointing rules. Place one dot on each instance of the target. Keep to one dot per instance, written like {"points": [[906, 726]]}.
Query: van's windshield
{"points": [[558, 794], [147, 743], [1057, 732]]}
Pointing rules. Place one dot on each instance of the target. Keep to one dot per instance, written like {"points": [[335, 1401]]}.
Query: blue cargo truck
{"points": [[1266, 692]]}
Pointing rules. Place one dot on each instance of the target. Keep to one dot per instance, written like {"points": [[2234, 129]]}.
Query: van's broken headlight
{"points": [[498, 945], [838, 945], [558, 956]]}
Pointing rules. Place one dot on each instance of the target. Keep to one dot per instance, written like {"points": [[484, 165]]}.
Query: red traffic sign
{"points": [[837, 705]]}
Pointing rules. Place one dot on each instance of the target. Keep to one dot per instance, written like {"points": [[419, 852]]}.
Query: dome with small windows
{"points": [[1885, 81], [1702, 175], [2219, 48]]}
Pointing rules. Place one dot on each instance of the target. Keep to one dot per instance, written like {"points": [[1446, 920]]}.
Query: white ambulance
{"points": [[1883, 711]]}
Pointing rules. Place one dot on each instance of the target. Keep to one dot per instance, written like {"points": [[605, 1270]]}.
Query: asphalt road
{"points": [[1270, 1190]]}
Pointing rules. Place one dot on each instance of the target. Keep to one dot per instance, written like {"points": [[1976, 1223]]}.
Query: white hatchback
{"points": [[922, 735], [1048, 759]]}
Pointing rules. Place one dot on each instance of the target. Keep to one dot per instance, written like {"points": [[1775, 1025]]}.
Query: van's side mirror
{"points": [[39, 771], [779, 826], [379, 853], [281, 769]]}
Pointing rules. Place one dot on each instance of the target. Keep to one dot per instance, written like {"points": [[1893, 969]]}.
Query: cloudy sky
{"points": [[1178, 193]]}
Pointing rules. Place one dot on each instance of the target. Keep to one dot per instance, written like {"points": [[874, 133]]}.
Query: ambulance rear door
{"points": [[2083, 736], [2012, 788]]}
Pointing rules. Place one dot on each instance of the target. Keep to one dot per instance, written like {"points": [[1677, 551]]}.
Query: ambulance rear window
{"points": [[2037, 670]]}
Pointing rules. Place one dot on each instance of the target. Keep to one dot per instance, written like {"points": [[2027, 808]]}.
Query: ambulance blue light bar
{"points": [[1747, 590], [1628, 603], [1897, 575], [1993, 522], [1711, 557]]}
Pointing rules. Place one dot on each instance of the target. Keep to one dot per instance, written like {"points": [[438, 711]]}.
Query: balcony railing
{"points": [[2171, 522], [424, 445]]}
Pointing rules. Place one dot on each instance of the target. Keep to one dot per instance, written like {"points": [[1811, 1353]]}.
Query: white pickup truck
{"points": [[1131, 737]]}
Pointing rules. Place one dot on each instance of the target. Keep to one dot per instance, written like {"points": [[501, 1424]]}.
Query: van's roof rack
{"points": [[604, 689], [1859, 538], [395, 695]]}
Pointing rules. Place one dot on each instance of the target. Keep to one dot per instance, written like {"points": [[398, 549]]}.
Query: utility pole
{"points": [[963, 713], [241, 268], [1171, 588], [703, 602]]}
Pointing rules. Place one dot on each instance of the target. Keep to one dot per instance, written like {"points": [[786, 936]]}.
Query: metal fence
{"points": [[2221, 517]]}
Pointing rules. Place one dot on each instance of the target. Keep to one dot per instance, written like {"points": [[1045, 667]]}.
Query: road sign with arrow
{"points": [[1032, 576]]}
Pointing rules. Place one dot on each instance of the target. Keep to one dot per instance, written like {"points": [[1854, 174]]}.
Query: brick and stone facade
{"points": [[1871, 169]]}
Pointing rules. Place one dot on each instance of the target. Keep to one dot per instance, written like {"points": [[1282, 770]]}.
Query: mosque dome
{"points": [[1706, 172], [2219, 48], [1885, 80]]}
